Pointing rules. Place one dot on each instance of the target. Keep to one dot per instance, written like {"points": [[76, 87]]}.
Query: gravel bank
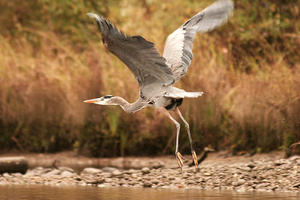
{"points": [[282, 175]]}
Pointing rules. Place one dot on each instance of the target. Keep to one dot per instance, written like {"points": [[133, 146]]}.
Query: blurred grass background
{"points": [[52, 58]]}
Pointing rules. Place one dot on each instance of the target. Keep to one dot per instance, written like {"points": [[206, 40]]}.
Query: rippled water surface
{"points": [[94, 193]]}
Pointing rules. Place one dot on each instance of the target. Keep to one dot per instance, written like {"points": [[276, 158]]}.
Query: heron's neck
{"points": [[128, 107]]}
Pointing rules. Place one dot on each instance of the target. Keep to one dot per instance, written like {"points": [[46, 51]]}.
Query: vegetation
{"points": [[51, 59]]}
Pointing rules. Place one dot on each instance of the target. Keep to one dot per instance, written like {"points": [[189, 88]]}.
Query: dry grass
{"points": [[251, 101]]}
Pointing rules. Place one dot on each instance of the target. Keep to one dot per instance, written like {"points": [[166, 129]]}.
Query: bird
{"points": [[156, 74]]}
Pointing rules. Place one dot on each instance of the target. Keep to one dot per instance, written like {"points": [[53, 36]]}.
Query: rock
{"points": [[134, 175], [296, 185], [17, 174], [108, 180], [66, 169], [186, 176], [294, 158], [147, 184], [156, 165], [13, 165], [131, 171], [95, 181], [53, 172], [241, 182], [155, 181], [6, 175], [91, 170], [109, 169], [250, 165], [145, 170], [116, 173], [279, 162], [65, 174]]}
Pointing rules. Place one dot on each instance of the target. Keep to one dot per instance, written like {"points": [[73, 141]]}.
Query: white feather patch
{"points": [[174, 47]]}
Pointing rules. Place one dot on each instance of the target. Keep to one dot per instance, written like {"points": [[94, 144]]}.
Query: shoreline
{"points": [[261, 172]]}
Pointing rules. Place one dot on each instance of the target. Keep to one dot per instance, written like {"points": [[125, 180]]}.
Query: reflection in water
{"points": [[94, 193]]}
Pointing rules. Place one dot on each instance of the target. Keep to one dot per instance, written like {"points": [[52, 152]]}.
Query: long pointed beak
{"points": [[91, 100]]}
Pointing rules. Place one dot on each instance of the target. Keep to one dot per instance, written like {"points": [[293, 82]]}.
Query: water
{"points": [[94, 193]]}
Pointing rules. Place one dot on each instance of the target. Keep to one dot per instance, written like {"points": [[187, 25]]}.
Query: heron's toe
{"points": [[195, 159], [180, 159]]}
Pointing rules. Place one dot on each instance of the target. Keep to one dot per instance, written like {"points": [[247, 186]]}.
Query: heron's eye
{"points": [[108, 96]]}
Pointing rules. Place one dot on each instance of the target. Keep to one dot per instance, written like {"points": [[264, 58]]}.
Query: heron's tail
{"points": [[193, 94], [180, 93]]}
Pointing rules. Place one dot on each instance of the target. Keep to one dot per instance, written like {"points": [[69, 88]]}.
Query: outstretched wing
{"points": [[140, 55], [179, 44]]}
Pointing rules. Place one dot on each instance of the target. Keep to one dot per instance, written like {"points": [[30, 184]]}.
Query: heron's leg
{"points": [[187, 126], [179, 157]]}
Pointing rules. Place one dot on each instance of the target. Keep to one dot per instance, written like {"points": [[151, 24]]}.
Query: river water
{"points": [[93, 193]]}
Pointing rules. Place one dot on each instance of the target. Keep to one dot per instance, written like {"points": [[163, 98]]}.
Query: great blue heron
{"points": [[155, 73]]}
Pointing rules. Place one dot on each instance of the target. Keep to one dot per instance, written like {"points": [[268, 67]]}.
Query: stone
{"points": [[147, 184], [66, 169], [116, 173], [157, 165], [95, 181], [155, 181], [296, 185], [134, 175], [52, 173], [241, 181], [145, 170], [6, 175], [108, 169], [66, 174], [131, 171], [91, 170], [250, 165]]}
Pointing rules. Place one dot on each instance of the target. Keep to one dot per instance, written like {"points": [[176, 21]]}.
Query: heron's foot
{"points": [[179, 158], [195, 159]]}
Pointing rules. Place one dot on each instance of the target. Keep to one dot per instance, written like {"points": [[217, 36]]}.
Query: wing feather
{"points": [[179, 44], [140, 55]]}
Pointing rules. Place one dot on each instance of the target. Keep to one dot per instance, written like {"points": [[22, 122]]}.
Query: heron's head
{"points": [[105, 100]]}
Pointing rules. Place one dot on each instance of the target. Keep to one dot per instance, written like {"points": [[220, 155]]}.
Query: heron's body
{"points": [[155, 73]]}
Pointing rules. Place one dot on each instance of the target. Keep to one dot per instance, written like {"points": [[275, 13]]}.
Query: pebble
{"points": [[66, 169], [53, 172], [117, 173], [91, 170], [250, 165], [147, 184], [145, 170], [65, 174], [108, 169]]}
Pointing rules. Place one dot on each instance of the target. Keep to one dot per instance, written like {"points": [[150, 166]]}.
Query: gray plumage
{"points": [[155, 73], [140, 55]]}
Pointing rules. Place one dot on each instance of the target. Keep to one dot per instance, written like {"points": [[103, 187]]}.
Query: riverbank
{"points": [[262, 172]]}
